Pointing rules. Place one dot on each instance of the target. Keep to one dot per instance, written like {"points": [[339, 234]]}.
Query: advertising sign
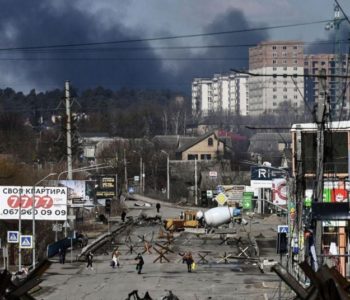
{"points": [[106, 187], [80, 192], [50, 203], [279, 191], [261, 177]]}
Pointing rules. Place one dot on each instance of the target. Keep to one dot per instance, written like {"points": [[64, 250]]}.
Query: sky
{"points": [[146, 62]]}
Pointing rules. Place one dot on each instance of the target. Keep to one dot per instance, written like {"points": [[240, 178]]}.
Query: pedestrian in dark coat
{"points": [[123, 215], [89, 258], [140, 263], [189, 261], [61, 255], [158, 207]]}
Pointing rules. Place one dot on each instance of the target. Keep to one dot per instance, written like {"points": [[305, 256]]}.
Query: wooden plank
{"points": [[290, 281]]}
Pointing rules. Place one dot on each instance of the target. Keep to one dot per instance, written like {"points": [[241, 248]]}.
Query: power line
{"points": [[344, 14], [244, 30], [65, 50]]}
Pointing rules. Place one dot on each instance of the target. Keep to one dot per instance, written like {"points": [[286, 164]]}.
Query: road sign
{"points": [[66, 224], [57, 227], [136, 178], [221, 199], [213, 174], [26, 242], [282, 229], [12, 237]]}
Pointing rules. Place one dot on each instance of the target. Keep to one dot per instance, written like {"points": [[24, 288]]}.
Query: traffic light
{"points": [[108, 206]]}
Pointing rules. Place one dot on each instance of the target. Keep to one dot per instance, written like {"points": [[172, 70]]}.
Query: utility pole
{"points": [[69, 132], [69, 145], [125, 173], [321, 113], [195, 182], [141, 177]]}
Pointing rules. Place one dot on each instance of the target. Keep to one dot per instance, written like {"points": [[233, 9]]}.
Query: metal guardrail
{"points": [[102, 240]]}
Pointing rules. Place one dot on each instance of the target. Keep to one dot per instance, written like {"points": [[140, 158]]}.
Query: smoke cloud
{"points": [[31, 23]]}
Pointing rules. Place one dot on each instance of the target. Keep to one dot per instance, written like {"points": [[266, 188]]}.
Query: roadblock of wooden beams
{"points": [[19, 289], [326, 284]]}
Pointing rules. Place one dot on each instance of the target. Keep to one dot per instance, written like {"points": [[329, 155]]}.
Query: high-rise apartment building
{"points": [[334, 88], [222, 93], [266, 92]]}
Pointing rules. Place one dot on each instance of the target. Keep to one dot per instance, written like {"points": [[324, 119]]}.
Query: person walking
{"points": [[116, 257], [89, 258], [123, 215], [189, 261], [61, 255], [140, 263], [158, 207]]}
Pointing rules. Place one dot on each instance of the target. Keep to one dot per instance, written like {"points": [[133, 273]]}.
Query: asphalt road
{"points": [[238, 279]]}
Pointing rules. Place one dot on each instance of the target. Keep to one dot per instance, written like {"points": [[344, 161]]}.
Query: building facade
{"points": [[222, 93], [334, 88], [273, 62]]}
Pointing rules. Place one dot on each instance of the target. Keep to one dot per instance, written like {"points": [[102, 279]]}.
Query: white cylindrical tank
{"points": [[218, 216]]}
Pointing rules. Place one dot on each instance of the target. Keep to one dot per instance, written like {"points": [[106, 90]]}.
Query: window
{"points": [[295, 89], [295, 68], [284, 89], [274, 61], [274, 97], [295, 61], [274, 89], [274, 104], [210, 142], [285, 61], [285, 82], [274, 82], [205, 156], [285, 97], [284, 68], [284, 47], [274, 69], [295, 96], [274, 54], [192, 156], [274, 47], [295, 47], [284, 54]]}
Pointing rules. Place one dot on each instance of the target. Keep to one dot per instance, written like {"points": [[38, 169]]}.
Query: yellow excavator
{"points": [[186, 220]]}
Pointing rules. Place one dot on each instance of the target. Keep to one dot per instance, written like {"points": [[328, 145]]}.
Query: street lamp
{"points": [[33, 212], [168, 175], [88, 168]]}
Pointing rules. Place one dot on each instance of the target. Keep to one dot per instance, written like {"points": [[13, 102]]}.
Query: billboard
{"points": [[261, 177], [50, 203], [80, 192], [107, 186], [279, 191]]}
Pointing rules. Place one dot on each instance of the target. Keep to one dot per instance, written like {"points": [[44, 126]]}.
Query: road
{"points": [[238, 279]]}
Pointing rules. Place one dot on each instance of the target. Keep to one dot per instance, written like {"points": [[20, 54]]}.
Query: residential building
{"points": [[273, 62], [314, 91], [206, 147], [222, 93]]}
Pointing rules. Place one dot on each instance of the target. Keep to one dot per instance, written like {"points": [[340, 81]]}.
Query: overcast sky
{"points": [[26, 23]]}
